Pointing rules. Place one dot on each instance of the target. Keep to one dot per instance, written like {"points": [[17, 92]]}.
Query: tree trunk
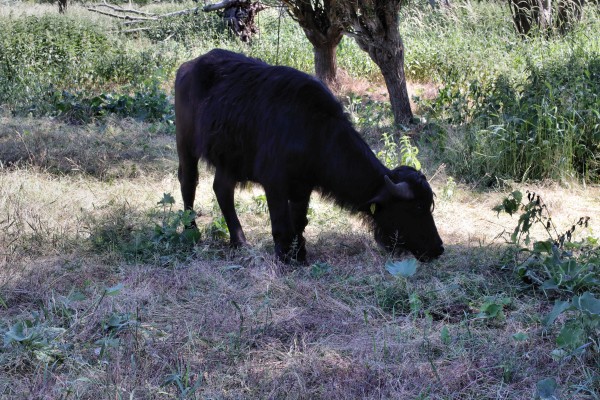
{"points": [[569, 12], [326, 62], [524, 15], [376, 29], [543, 14], [395, 80], [323, 31], [62, 6], [390, 60], [544, 8]]}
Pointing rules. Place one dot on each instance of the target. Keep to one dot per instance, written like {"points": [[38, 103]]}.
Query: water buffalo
{"points": [[284, 129]]}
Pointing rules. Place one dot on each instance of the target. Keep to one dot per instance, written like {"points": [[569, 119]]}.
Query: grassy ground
{"points": [[110, 311], [100, 297]]}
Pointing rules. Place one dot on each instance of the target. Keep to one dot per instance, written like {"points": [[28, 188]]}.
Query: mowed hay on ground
{"points": [[99, 305]]}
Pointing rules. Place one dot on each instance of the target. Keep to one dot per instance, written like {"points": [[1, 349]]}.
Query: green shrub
{"points": [[148, 103], [543, 125], [43, 56], [565, 270]]}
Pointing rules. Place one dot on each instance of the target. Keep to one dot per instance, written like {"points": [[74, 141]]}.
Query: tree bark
{"points": [[62, 6], [375, 27], [569, 12], [545, 15], [391, 64], [323, 31], [326, 62]]}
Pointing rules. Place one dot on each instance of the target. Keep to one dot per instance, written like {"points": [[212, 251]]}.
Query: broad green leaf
{"points": [[520, 336], [415, 303], [571, 336], [546, 389], [543, 247], [559, 308], [558, 354], [587, 303], [403, 268], [318, 269], [77, 296], [490, 310], [517, 195], [191, 235], [550, 284], [16, 334]]}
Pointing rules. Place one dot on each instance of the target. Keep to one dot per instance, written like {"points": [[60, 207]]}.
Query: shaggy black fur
{"points": [[284, 129]]}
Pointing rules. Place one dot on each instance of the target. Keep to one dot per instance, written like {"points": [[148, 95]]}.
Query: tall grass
{"points": [[508, 108]]}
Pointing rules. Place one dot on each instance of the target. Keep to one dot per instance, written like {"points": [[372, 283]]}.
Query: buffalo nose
{"points": [[437, 252], [432, 255]]}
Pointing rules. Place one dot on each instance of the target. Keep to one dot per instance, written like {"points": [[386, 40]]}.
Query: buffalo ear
{"points": [[391, 190], [401, 190]]}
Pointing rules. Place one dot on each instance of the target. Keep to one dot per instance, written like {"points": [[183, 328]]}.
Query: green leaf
{"points": [[318, 269], [558, 354], [587, 303], [113, 291], [543, 247], [520, 336], [415, 303], [191, 235], [559, 308], [17, 333], [403, 268], [546, 389], [571, 336], [510, 204], [167, 200], [490, 310], [77, 296], [445, 335]]}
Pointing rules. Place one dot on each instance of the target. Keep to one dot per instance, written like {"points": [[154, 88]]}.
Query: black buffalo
{"points": [[283, 129]]}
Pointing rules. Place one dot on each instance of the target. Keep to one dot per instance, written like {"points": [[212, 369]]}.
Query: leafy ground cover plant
{"points": [[565, 270]]}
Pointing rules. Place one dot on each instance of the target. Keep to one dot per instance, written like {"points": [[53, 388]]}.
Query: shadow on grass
{"points": [[118, 148]]}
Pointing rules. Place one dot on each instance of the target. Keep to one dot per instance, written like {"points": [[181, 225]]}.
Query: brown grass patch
{"points": [[239, 325]]}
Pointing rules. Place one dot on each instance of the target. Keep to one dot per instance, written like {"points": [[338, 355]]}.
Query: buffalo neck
{"points": [[350, 172]]}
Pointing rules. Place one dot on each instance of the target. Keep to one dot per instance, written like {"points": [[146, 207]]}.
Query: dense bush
{"points": [[40, 56], [508, 108]]}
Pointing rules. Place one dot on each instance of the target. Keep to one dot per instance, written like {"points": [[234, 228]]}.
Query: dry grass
{"points": [[224, 324]]}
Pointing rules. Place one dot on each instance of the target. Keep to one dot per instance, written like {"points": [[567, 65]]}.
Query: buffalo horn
{"points": [[401, 190]]}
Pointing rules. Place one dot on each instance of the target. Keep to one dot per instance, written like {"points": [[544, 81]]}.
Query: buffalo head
{"points": [[402, 215]]}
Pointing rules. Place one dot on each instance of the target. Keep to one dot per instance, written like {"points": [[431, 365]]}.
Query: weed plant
{"points": [[565, 270]]}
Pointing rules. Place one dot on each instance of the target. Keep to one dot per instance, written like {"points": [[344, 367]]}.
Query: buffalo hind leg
{"points": [[298, 211], [188, 180], [224, 187]]}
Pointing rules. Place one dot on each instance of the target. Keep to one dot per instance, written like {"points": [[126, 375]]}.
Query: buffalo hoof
{"points": [[294, 254], [236, 244]]}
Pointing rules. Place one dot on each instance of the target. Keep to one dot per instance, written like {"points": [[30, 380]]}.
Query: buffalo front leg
{"points": [[224, 187], [188, 180], [298, 211]]}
